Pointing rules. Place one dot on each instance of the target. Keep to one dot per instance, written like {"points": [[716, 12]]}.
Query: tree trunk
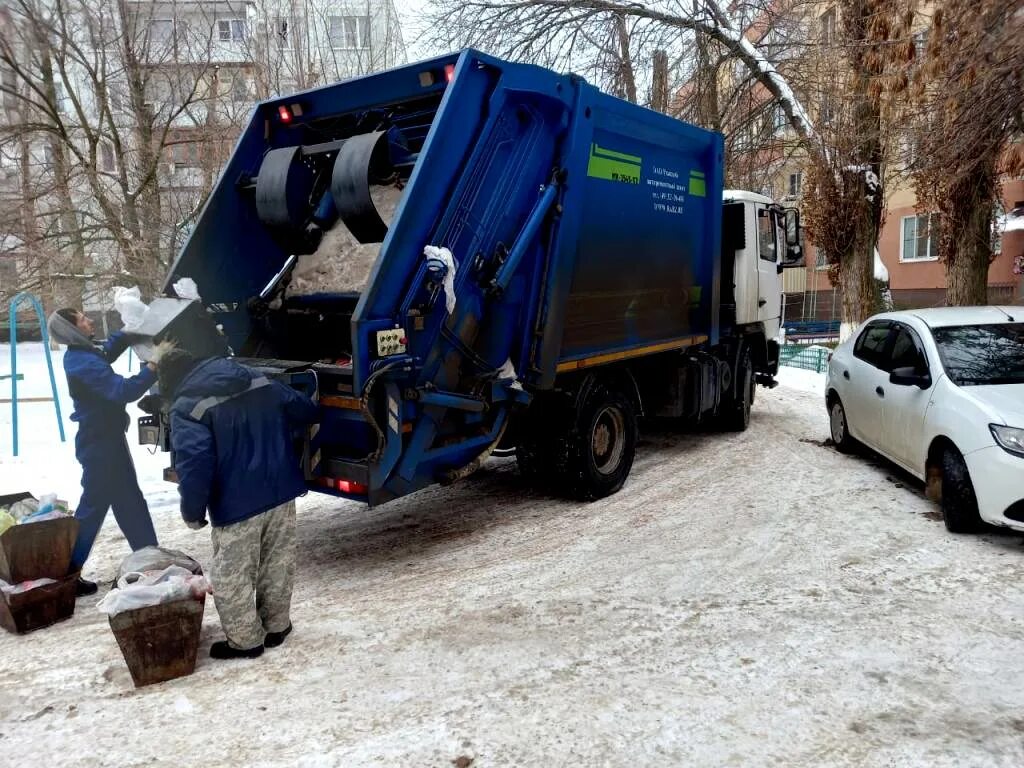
{"points": [[659, 82], [625, 61], [966, 229], [967, 267]]}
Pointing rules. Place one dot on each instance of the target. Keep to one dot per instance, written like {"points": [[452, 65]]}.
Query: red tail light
{"points": [[345, 486], [284, 114]]}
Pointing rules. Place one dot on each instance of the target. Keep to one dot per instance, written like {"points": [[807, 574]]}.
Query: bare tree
{"points": [[966, 109], [759, 38]]}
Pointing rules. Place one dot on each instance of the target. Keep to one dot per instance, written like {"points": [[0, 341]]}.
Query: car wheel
{"points": [[840, 428], [959, 504]]}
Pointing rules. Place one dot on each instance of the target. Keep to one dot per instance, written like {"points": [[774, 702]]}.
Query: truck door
{"points": [[769, 283]]}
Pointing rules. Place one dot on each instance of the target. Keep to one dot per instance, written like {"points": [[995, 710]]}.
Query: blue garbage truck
{"points": [[556, 264]]}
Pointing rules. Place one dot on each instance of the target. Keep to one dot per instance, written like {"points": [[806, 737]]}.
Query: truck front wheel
{"points": [[603, 444], [735, 415]]}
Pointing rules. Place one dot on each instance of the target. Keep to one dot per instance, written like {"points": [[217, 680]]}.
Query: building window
{"points": [[239, 89], [796, 181], [820, 262], [61, 98], [828, 110], [920, 238], [107, 161], [282, 30], [779, 121], [10, 88], [349, 32], [185, 154], [828, 27], [231, 30], [161, 31]]}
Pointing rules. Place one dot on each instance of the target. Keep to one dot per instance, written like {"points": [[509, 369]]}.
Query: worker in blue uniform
{"points": [[108, 474]]}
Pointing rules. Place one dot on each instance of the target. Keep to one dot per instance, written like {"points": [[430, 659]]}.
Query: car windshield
{"points": [[982, 354]]}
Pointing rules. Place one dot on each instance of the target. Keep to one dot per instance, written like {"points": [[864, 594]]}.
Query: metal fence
{"points": [[810, 358]]}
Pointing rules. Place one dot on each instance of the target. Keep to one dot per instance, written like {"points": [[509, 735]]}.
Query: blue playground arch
{"points": [[44, 335]]}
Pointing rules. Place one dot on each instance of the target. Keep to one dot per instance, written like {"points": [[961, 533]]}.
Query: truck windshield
{"points": [[982, 354]]}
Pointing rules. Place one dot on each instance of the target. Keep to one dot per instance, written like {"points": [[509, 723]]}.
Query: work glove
{"points": [[196, 525]]}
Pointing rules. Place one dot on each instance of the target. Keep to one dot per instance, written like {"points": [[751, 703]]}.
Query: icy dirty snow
{"points": [[746, 600]]}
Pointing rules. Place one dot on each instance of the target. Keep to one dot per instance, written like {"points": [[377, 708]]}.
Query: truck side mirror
{"points": [[792, 227], [794, 251]]}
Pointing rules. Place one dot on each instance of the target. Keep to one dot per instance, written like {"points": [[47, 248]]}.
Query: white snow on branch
{"points": [[786, 95], [871, 180]]}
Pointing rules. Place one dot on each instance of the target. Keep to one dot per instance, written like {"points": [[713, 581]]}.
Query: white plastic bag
{"points": [[154, 558], [140, 590], [129, 304], [445, 256], [186, 288], [24, 586]]}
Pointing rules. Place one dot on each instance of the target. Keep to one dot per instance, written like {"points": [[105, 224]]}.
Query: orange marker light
{"points": [[284, 114]]}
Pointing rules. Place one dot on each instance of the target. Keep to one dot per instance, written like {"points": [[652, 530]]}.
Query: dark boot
{"points": [[223, 650], [274, 639], [83, 587]]}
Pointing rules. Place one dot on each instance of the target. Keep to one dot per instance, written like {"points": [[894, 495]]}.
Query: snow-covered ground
{"points": [[746, 600]]}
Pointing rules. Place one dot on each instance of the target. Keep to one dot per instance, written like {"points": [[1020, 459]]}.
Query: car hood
{"points": [[1004, 402]]}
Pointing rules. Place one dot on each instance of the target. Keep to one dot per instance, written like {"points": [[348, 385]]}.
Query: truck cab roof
{"points": [[742, 196]]}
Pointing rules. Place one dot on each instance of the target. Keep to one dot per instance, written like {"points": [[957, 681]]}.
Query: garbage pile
{"points": [[36, 540], [153, 576], [32, 511]]}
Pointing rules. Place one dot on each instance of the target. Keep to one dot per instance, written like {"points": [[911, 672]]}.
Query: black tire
{"points": [[601, 445], [735, 416], [959, 504], [840, 427], [537, 447]]}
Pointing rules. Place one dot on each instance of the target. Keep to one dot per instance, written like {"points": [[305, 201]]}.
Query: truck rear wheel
{"points": [[602, 444]]}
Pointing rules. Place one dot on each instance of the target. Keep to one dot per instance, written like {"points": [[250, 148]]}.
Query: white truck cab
{"points": [[760, 239]]}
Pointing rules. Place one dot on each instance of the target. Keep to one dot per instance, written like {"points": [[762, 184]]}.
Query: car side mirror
{"points": [[910, 377]]}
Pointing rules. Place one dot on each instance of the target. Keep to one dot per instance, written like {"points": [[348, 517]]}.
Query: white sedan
{"points": [[941, 393]]}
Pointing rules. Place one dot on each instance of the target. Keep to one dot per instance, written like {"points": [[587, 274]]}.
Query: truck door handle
{"points": [[879, 391], [761, 302], [846, 375]]}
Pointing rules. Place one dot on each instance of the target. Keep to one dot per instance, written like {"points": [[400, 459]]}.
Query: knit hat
{"points": [[171, 370]]}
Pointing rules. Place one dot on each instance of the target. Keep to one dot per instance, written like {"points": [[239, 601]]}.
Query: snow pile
{"points": [[341, 264]]}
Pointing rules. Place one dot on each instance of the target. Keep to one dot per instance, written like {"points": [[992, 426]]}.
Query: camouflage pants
{"points": [[253, 573]]}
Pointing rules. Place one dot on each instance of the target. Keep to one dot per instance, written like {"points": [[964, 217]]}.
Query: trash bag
{"points": [[442, 261], [25, 508], [141, 590], [186, 288], [128, 303], [24, 586], [6, 520], [157, 559]]}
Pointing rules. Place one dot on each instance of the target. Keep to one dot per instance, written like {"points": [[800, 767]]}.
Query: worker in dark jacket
{"points": [[100, 396], [233, 433]]}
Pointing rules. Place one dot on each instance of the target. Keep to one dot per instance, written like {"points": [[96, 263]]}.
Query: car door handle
{"points": [[761, 302], [846, 375], [879, 391]]}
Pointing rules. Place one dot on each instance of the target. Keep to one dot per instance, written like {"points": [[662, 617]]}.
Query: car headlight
{"points": [[1010, 439]]}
